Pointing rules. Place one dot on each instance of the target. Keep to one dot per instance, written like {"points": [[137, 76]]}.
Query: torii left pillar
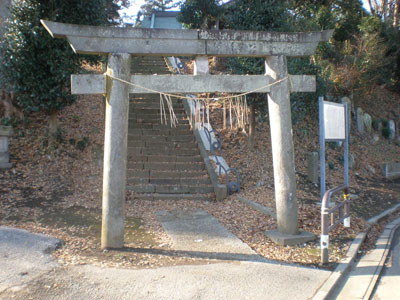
{"points": [[115, 151]]}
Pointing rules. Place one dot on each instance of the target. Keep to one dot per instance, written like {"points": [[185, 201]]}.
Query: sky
{"points": [[129, 15]]}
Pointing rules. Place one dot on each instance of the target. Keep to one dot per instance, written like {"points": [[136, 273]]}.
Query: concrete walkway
{"points": [[202, 234], [362, 279], [388, 283]]}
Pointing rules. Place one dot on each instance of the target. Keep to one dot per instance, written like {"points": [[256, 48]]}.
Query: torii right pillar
{"points": [[283, 155]]}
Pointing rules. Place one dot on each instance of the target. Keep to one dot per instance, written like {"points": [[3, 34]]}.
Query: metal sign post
{"points": [[333, 127], [333, 122]]}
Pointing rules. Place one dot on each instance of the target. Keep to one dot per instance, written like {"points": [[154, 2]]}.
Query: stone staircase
{"points": [[164, 162]]}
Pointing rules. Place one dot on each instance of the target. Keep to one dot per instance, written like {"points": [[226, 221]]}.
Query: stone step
{"points": [[180, 181], [156, 151], [167, 131], [160, 138], [154, 114], [178, 174], [156, 121], [183, 166], [158, 126], [171, 189], [195, 197], [165, 158], [162, 145], [153, 111], [153, 105], [149, 65], [148, 58], [151, 98], [168, 181], [149, 123], [135, 116], [155, 117], [171, 174], [148, 62], [150, 72]]}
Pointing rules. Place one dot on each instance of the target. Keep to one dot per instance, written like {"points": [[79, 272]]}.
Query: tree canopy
{"points": [[35, 66], [199, 13]]}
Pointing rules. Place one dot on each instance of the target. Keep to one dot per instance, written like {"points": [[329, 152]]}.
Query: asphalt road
{"points": [[28, 271], [24, 256]]}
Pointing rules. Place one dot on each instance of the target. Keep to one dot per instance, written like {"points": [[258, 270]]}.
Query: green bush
{"points": [[375, 123], [386, 132], [82, 144]]}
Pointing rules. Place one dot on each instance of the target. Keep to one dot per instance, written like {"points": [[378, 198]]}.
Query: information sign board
{"points": [[334, 121]]}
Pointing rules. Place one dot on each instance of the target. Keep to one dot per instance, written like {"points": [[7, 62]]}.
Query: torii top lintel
{"points": [[169, 42]]}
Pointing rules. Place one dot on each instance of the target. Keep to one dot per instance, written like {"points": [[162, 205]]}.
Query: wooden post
{"points": [[115, 151]]}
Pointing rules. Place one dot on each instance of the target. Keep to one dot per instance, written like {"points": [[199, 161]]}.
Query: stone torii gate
{"points": [[121, 43]]}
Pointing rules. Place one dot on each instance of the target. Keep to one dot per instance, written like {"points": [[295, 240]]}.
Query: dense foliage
{"points": [[363, 53], [200, 13], [271, 15], [37, 67]]}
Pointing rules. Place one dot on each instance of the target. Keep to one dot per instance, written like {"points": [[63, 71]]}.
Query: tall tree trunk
{"points": [[252, 126], [372, 7], [396, 14], [204, 24], [384, 7], [10, 110]]}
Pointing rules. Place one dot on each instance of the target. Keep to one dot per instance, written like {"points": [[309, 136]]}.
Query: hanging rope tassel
{"points": [[162, 111], [172, 116], [224, 116], [230, 112], [240, 105]]}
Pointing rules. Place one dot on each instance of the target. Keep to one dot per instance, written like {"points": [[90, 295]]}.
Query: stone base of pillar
{"points": [[289, 239]]}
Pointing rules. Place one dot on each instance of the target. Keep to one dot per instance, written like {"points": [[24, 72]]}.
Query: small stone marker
{"points": [[368, 122], [360, 120], [352, 161], [392, 129], [349, 109], [370, 169], [5, 132], [375, 139], [392, 170], [312, 166]]}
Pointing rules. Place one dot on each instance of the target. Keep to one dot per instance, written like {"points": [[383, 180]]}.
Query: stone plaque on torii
{"points": [[121, 43]]}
